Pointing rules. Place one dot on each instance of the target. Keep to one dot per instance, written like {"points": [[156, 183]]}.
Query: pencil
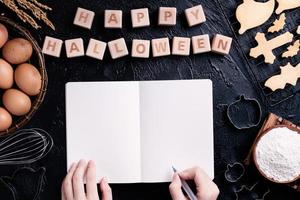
{"points": [[186, 188]]}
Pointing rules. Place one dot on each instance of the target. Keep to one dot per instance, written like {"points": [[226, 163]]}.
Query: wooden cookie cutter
{"points": [[265, 47], [292, 50], [286, 5], [289, 74], [271, 121], [278, 24], [246, 17]]}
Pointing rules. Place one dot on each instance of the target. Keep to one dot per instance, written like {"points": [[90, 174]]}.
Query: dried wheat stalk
{"points": [[34, 6]]}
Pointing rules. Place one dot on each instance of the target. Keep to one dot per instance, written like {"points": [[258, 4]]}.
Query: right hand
{"points": [[205, 187]]}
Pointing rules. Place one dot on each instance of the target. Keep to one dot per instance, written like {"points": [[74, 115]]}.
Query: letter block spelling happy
{"points": [[84, 18]]}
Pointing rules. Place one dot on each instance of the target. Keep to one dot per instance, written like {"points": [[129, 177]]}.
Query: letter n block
{"points": [[221, 44]]}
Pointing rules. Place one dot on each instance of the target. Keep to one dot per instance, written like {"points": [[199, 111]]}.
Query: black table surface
{"points": [[232, 76]]}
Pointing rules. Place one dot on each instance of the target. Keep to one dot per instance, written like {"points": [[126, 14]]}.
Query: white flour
{"points": [[278, 154]]}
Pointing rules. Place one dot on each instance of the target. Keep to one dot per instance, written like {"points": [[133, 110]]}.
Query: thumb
{"points": [[105, 190], [175, 188]]}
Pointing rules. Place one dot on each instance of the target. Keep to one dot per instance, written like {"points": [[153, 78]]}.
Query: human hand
{"points": [[205, 187], [73, 186]]}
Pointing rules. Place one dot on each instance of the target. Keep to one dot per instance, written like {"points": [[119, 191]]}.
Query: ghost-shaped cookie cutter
{"points": [[286, 5], [251, 14]]}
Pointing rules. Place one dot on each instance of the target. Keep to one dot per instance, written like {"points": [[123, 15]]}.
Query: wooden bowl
{"points": [[38, 60], [254, 150]]}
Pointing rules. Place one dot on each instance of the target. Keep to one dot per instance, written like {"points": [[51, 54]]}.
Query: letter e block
{"points": [[140, 17], [181, 46], [195, 15], [167, 16], [96, 49], [160, 47], [140, 48], [74, 47], [84, 18], [113, 18], [221, 44], [201, 44], [52, 46], [117, 48]]}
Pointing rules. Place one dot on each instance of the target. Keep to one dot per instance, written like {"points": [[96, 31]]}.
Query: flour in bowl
{"points": [[278, 154]]}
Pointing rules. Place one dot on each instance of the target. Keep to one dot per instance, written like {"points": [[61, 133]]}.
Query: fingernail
{"points": [[104, 179], [72, 165]]}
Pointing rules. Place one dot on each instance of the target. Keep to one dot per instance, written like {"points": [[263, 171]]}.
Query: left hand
{"points": [[73, 186]]}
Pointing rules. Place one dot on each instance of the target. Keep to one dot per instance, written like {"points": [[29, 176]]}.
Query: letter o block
{"points": [[140, 48]]}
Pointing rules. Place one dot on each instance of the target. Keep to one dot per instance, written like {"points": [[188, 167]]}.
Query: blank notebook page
{"points": [[135, 131]]}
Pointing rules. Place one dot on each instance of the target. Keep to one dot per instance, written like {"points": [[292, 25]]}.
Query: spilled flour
{"points": [[278, 154]]}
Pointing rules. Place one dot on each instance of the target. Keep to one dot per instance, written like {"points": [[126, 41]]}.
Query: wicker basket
{"points": [[38, 60]]}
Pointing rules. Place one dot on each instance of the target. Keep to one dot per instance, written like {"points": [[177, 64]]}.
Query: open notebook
{"points": [[135, 131]]}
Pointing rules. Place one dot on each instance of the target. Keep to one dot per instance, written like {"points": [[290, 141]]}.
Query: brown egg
{"points": [[5, 119], [28, 79], [17, 51], [3, 35], [16, 102], [6, 75]]}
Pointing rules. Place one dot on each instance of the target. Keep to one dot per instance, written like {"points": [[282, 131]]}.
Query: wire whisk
{"points": [[25, 146]]}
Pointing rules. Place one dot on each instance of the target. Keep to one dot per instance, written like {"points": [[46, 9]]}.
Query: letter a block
{"points": [[113, 19], [74, 47], [52, 46], [84, 18]]}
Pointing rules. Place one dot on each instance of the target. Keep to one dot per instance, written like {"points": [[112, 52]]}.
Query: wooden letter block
{"points": [[160, 47], [113, 19], [84, 18], [140, 48], [52, 46], [181, 46], [167, 16], [201, 44], [74, 47], [140, 17], [195, 15], [96, 49], [117, 48], [221, 44]]}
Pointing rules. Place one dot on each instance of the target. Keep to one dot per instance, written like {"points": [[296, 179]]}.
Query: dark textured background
{"points": [[232, 76]]}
